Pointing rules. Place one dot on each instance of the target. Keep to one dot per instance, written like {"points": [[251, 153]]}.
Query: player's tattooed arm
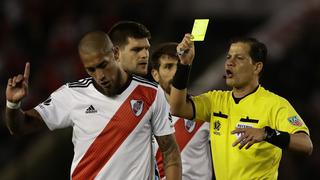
{"points": [[171, 156]]}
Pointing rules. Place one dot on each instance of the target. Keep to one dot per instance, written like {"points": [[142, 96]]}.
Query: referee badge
{"points": [[295, 120], [216, 127], [136, 106]]}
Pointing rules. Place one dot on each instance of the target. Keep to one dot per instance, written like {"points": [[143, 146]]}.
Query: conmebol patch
{"points": [[295, 120]]}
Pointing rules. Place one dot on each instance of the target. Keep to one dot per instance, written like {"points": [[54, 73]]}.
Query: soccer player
{"points": [[192, 136], [112, 115], [249, 126], [132, 40]]}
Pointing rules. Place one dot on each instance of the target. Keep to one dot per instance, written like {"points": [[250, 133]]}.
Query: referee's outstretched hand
{"points": [[248, 136], [17, 87], [185, 50]]}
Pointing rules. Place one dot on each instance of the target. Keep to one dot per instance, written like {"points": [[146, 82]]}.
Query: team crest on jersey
{"points": [[136, 106], [294, 120], [189, 125], [217, 127]]}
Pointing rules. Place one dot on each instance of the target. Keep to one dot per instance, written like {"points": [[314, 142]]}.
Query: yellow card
{"points": [[199, 29]]}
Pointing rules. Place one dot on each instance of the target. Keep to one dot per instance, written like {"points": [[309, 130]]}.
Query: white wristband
{"points": [[12, 105]]}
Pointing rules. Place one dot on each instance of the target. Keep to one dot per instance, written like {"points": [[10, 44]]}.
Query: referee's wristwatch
{"points": [[277, 138], [268, 133]]}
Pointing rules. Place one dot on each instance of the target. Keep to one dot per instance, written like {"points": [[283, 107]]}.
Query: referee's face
{"points": [[240, 70]]}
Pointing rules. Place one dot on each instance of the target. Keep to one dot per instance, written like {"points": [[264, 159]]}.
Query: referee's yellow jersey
{"points": [[258, 109]]}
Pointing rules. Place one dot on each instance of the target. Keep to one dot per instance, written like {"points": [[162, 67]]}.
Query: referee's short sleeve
{"points": [[202, 105], [287, 119]]}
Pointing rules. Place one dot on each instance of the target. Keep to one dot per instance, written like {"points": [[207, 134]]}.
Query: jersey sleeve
{"points": [[162, 119], [287, 119], [202, 105], [55, 110]]}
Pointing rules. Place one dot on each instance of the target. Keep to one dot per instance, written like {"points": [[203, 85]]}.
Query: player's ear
{"points": [[155, 75], [116, 52]]}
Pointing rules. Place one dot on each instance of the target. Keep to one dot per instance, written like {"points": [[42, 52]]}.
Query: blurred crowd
{"points": [[46, 34]]}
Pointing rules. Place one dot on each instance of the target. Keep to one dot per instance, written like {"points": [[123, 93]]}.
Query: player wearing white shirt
{"points": [[112, 115], [192, 136], [193, 140]]}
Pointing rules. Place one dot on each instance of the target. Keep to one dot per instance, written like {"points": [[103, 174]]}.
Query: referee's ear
{"points": [[258, 67]]}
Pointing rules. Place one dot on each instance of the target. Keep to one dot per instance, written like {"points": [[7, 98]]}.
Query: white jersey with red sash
{"points": [[193, 140], [111, 135]]}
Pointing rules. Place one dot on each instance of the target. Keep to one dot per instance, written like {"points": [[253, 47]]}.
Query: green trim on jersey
{"points": [[259, 109]]}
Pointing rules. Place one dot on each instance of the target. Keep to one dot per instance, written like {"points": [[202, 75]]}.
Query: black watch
{"points": [[269, 132]]}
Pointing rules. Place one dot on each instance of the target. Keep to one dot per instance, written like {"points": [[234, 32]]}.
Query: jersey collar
{"points": [[126, 85], [237, 100]]}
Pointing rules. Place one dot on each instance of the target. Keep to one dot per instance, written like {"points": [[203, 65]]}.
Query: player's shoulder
{"points": [[144, 82], [81, 83]]}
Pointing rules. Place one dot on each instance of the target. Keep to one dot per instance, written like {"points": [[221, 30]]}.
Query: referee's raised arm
{"points": [[180, 105]]}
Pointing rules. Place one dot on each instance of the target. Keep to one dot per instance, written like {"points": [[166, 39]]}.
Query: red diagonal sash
{"points": [[113, 135], [182, 137]]}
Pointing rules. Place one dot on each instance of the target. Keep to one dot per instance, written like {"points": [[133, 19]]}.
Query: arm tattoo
{"points": [[170, 151]]}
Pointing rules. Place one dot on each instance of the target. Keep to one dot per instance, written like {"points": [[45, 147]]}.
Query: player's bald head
{"points": [[95, 42]]}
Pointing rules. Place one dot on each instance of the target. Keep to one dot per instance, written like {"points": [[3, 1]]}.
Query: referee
{"points": [[249, 125]]}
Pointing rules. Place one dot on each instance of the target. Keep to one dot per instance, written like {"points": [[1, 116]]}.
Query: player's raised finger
{"points": [[26, 71]]}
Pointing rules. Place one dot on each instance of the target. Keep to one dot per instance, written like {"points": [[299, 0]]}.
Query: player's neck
{"points": [[125, 80], [167, 96], [240, 92]]}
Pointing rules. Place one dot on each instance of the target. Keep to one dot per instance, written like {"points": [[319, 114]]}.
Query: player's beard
{"points": [[166, 86], [141, 71]]}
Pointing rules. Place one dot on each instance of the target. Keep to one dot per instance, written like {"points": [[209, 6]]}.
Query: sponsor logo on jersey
{"points": [[91, 109], [47, 102], [170, 119], [240, 125], [294, 120], [189, 125], [136, 106], [216, 127]]}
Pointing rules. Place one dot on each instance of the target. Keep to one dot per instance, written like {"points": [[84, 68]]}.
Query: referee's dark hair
{"points": [[121, 31], [258, 50], [169, 49]]}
